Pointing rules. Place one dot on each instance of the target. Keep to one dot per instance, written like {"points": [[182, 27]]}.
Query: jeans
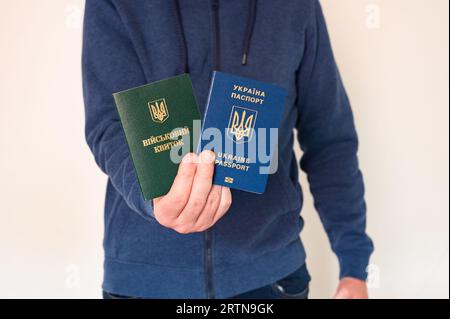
{"points": [[294, 286]]}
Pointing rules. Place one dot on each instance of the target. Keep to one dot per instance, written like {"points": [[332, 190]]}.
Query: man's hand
{"points": [[193, 204], [351, 288]]}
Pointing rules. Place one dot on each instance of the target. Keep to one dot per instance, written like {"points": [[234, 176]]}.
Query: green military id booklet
{"points": [[156, 118]]}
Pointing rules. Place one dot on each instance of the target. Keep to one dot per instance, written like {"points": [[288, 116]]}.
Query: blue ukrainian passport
{"points": [[241, 126]]}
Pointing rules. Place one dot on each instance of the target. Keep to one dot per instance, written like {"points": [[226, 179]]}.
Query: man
{"points": [[201, 240]]}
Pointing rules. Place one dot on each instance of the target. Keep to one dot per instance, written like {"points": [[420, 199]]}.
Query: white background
{"points": [[393, 56]]}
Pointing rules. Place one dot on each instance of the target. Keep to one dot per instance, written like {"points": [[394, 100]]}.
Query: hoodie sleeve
{"points": [[110, 65], [329, 142]]}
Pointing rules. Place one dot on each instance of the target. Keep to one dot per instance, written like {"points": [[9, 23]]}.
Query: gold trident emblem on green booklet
{"points": [[158, 110], [242, 123]]}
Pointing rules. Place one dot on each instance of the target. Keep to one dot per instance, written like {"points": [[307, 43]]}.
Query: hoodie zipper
{"points": [[209, 282], [208, 234]]}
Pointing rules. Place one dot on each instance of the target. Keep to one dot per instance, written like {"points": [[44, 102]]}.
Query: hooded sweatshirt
{"points": [[131, 43]]}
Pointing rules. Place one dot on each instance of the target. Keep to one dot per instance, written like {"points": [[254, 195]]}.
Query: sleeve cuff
{"points": [[353, 265]]}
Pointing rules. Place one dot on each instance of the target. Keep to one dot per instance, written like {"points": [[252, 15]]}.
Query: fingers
{"points": [[193, 204], [201, 187], [206, 218], [224, 206], [171, 205], [217, 205]]}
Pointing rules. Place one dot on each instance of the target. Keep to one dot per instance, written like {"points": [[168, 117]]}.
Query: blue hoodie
{"points": [[131, 43]]}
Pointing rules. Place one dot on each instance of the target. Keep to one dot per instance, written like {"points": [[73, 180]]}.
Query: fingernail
{"points": [[189, 158], [207, 157]]}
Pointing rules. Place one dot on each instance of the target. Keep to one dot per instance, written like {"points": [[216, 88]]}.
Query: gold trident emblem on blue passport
{"points": [[158, 110], [242, 124]]}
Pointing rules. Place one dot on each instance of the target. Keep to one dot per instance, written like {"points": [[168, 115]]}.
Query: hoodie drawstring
{"points": [[215, 22], [248, 34], [251, 19], [181, 37]]}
